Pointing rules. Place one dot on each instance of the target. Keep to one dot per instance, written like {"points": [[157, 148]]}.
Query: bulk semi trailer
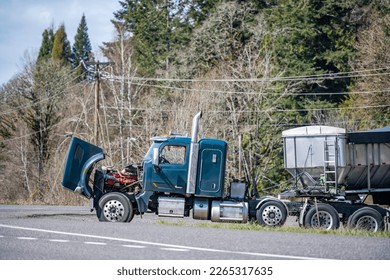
{"points": [[339, 173], [181, 176]]}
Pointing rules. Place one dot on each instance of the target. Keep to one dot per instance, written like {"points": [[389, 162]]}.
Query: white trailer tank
{"points": [[329, 159]]}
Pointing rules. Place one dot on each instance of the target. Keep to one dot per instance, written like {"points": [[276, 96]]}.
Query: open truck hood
{"points": [[79, 164]]}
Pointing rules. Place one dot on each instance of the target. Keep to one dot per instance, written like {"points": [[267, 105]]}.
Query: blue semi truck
{"points": [[181, 176]]}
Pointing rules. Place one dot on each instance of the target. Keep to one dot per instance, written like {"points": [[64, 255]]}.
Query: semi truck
{"points": [[181, 176]]}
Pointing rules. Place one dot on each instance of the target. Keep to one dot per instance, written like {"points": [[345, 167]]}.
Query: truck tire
{"points": [[272, 213], [326, 218], [114, 207], [366, 218]]}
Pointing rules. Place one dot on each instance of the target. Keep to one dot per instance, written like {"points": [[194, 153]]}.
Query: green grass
{"points": [[256, 227]]}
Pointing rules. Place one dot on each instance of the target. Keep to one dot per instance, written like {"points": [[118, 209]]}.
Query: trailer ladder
{"points": [[330, 165]]}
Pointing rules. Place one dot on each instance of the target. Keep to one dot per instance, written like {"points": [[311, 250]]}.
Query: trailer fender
{"points": [[269, 198]]}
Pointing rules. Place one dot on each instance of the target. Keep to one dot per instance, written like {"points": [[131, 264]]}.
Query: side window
{"points": [[173, 155]]}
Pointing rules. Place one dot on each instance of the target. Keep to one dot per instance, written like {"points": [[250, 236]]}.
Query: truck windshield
{"points": [[149, 154]]}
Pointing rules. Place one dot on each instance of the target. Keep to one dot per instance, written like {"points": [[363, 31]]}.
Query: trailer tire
{"points": [[114, 207], [327, 217], [366, 218], [272, 213]]}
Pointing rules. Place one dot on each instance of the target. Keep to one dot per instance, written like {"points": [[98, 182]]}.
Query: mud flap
{"points": [[143, 200]]}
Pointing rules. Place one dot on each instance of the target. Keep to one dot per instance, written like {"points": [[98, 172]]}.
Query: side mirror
{"points": [[156, 158]]}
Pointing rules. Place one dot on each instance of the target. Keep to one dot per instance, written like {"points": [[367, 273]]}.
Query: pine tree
{"points": [[61, 46], [159, 28], [45, 51], [199, 10], [82, 46], [312, 38]]}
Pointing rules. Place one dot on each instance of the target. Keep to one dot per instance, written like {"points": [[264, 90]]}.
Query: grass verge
{"points": [[256, 227]]}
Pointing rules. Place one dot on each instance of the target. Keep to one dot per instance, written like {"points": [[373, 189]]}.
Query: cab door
{"points": [[172, 171]]}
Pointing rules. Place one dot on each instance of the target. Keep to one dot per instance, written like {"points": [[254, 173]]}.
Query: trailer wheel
{"points": [[114, 207], [322, 216], [272, 213], [366, 218]]}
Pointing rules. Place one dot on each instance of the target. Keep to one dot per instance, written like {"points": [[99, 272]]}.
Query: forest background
{"points": [[254, 68]]}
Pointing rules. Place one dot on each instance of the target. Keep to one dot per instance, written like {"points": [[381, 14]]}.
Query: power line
{"points": [[251, 111], [289, 124], [267, 93], [339, 75]]}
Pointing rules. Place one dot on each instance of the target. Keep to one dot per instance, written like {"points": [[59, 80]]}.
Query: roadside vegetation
{"points": [[254, 68]]}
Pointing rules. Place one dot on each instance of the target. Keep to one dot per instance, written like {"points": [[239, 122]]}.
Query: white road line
{"points": [[95, 243], [134, 246], [174, 249], [59, 240], [27, 238], [163, 244]]}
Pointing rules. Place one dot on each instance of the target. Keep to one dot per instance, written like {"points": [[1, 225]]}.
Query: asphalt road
{"points": [[73, 233]]}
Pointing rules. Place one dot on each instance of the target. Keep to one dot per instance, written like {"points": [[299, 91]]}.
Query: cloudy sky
{"points": [[23, 21]]}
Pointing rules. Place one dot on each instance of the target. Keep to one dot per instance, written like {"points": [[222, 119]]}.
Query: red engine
{"points": [[125, 180]]}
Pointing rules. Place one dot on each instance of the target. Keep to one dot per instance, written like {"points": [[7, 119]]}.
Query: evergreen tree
{"points": [[81, 49], [199, 10], [159, 28], [314, 37], [61, 46], [311, 38], [45, 51], [224, 35]]}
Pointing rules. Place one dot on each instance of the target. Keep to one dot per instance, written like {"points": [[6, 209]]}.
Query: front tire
{"points": [[322, 216], [114, 207], [272, 213]]}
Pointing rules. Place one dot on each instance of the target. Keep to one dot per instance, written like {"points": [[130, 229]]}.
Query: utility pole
{"points": [[97, 105], [94, 67]]}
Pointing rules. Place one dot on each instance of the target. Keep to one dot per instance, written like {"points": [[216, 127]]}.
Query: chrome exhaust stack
{"points": [[194, 150]]}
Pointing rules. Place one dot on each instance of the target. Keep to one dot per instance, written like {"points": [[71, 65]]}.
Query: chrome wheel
{"points": [[271, 213], [114, 207], [113, 210]]}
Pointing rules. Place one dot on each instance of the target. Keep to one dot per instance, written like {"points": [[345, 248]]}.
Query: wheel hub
{"points": [[272, 215], [367, 223], [113, 210], [322, 220]]}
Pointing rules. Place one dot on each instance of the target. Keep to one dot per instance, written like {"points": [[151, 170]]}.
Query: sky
{"points": [[22, 23]]}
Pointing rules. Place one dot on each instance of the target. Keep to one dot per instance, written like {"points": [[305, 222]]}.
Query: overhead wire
{"points": [[339, 75], [267, 93], [253, 111]]}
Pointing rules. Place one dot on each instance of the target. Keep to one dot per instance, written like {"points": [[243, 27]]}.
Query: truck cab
{"points": [[167, 166]]}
